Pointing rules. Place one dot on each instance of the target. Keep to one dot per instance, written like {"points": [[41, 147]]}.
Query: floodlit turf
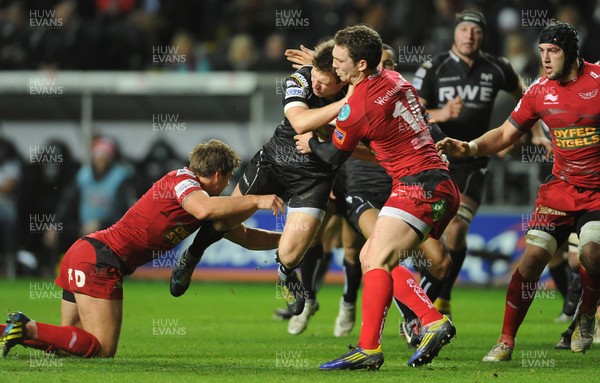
{"points": [[225, 332]]}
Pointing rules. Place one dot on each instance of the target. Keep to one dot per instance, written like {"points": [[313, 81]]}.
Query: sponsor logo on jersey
{"points": [[577, 137], [588, 95], [549, 211], [185, 172], [466, 92], [295, 92], [487, 77], [448, 79], [438, 209], [185, 185], [339, 136], [551, 99], [594, 74], [344, 113], [300, 78]]}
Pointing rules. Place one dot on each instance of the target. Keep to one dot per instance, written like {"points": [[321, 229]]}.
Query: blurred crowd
{"points": [[217, 35], [49, 199]]}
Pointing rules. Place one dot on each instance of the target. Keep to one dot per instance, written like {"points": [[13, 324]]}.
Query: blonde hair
{"points": [[213, 156]]}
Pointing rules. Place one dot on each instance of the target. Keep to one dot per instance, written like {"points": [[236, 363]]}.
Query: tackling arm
{"points": [[204, 207], [491, 142], [305, 120], [254, 239]]}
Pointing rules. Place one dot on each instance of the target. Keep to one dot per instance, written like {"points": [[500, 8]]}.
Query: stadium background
{"points": [[179, 72]]}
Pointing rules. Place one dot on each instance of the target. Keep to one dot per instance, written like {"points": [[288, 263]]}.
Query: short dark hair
{"points": [[323, 58], [362, 42]]}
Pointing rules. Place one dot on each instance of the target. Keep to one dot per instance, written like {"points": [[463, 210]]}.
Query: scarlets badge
{"points": [[344, 113]]}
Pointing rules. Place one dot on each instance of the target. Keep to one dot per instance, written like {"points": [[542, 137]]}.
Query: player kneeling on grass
{"points": [[92, 270]]}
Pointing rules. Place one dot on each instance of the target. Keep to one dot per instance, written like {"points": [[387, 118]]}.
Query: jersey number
{"points": [[412, 116]]}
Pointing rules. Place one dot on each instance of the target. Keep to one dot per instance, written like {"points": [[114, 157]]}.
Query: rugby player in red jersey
{"points": [[384, 113], [92, 270], [566, 100]]}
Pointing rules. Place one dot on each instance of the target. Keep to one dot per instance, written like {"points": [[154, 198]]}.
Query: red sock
{"points": [[376, 299], [2, 328], [39, 345], [590, 292], [70, 339], [408, 291], [519, 295]]}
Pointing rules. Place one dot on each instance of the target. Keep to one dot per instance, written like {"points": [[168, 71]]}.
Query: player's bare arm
{"points": [[491, 142], [204, 207], [254, 239], [305, 120]]}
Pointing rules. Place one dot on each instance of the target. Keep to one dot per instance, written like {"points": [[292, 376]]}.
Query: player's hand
{"points": [[271, 202], [299, 57], [452, 147], [302, 142], [452, 108], [545, 142]]}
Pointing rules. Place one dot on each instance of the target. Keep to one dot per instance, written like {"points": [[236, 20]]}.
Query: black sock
{"points": [[309, 268], [323, 267], [206, 236], [572, 297], [431, 285], [561, 274], [458, 258], [353, 276]]}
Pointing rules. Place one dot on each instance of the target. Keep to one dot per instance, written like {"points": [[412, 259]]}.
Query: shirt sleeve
{"points": [[423, 83], [348, 132], [184, 186], [296, 89], [524, 116]]}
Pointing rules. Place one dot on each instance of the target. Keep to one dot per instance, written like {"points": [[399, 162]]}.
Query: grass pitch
{"points": [[224, 332]]}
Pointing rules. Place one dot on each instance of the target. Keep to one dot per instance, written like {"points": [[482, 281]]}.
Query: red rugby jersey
{"points": [[572, 113], [155, 223], [384, 112]]}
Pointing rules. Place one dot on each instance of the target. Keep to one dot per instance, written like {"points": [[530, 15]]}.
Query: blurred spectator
{"points": [[160, 159], [591, 45], [13, 37], [241, 55], [521, 57], [10, 178], [272, 57], [49, 177], [120, 34], [101, 194], [68, 44]]}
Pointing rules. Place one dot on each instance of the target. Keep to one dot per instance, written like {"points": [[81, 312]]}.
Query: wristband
{"points": [[472, 148]]}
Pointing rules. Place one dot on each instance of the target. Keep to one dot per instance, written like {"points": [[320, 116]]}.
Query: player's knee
{"points": [[291, 253], [351, 255], [589, 247], [542, 242], [97, 350]]}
